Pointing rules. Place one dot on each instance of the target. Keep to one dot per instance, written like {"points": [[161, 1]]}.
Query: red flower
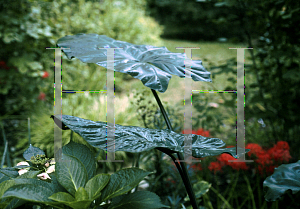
{"points": [[42, 96], [264, 158], [223, 158], [45, 74], [3, 65], [283, 145], [270, 169], [266, 161], [196, 167], [200, 132], [279, 155], [215, 166], [171, 180], [254, 149]]}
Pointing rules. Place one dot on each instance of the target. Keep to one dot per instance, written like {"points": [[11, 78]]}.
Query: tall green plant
{"points": [[155, 67]]}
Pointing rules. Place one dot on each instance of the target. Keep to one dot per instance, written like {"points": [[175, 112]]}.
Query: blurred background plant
{"points": [[28, 27]]}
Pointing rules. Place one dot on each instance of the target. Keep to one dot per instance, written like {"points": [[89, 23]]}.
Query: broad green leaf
{"points": [[81, 194], [96, 184], [9, 172], [62, 197], [5, 202], [123, 181], [137, 139], [200, 189], [5, 185], [137, 200], [70, 201], [3, 177], [83, 154], [154, 66], [71, 173], [33, 190], [84, 204], [36, 191], [285, 177], [55, 185], [15, 203], [29, 174], [32, 151]]}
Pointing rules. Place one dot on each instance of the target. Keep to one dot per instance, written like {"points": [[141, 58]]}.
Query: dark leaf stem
{"points": [[182, 167]]}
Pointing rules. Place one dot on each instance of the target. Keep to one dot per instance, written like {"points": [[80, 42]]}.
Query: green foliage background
{"points": [[27, 28]]}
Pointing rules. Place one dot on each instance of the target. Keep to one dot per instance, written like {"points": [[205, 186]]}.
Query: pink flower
{"points": [[47, 165], [212, 104], [43, 176], [22, 171], [23, 163], [51, 169]]}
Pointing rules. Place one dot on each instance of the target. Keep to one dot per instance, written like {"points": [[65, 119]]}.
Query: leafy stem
{"points": [[182, 166]]}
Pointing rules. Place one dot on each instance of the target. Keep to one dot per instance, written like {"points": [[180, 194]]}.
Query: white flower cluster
{"points": [[43, 176]]}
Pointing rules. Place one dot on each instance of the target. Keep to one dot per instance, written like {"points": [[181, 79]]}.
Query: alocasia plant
{"points": [[154, 67], [73, 183], [285, 177]]}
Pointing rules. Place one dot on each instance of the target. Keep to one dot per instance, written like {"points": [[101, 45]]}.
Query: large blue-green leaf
{"points": [[285, 177], [137, 139], [154, 66]]}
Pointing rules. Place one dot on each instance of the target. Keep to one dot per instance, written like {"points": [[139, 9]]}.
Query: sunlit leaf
{"points": [[154, 66]]}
